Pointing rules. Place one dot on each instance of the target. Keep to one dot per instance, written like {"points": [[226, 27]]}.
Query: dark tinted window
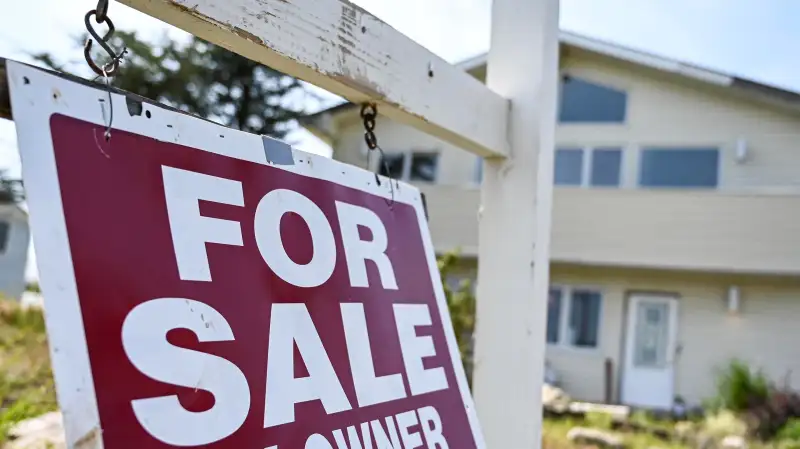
{"points": [[4, 234], [568, 167], [586, 102], [391, 165], [553, 315], [584, 319], [679, 167], [606, 164], [423, 167]]}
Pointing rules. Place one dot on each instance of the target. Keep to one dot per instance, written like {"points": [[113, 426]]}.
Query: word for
{"points": [[191, 231]]}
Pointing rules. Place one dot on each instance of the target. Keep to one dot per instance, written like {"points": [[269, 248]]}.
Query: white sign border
{"points": [[35, 96]]}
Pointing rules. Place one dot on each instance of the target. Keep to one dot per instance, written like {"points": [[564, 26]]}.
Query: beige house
{"points": [[14, 241], [676, 222]]}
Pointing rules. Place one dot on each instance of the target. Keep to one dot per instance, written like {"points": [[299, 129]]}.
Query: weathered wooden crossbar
{"points": [[339, 47]]}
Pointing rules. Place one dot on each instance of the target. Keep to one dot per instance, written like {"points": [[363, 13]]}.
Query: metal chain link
{"points": [[369, 112], [100, 14], [102, 10]]}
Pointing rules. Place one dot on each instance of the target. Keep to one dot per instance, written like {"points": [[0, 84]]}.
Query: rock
{"points": [[554, 399], [684, 431], [725, 423], [43, 432], [661, 434], [705, 441], [583, 435], [733, 442]]}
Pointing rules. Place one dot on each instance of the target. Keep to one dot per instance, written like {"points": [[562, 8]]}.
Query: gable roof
{"points": [[747, 87]]}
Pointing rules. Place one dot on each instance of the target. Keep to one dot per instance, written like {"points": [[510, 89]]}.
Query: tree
{"points": [[461, 304], [206, 80]]}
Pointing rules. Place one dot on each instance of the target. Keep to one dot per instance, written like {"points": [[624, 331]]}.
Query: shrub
{"points": [[790, 430], [767, 410], [461, 304], [739, 388], [775, 414]]}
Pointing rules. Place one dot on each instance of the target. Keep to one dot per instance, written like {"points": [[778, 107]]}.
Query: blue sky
{"points": [[754, 39]]}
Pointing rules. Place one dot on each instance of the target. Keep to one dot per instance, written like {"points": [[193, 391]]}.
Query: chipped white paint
{"points": [[514, 231], [345, 50]]}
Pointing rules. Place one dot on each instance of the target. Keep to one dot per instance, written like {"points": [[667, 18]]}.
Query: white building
{"points": [[14, 241]]}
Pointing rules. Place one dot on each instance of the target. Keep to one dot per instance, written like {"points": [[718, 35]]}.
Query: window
{"points": [[392, 165], [584, 319], [573, 317], [569, 167], [410, 166], [605, 167], [479, 170], [423, 167], [553, 315], [679, 167], [586, 102], [598, 167], [5, 227]]}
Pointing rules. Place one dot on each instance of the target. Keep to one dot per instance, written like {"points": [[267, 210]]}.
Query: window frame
{"points": [[6, 238], [408, 159], [687, 146], [564, 317], [589, 79], [586, 165]]}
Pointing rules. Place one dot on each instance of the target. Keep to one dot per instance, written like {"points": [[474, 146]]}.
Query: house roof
{"points": [[745, 86]]}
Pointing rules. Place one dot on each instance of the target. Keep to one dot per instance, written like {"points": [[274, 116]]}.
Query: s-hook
{"points": [[101, 16]]}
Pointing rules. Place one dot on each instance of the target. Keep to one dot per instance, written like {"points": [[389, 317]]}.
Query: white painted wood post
{"points": [[514, 236]]}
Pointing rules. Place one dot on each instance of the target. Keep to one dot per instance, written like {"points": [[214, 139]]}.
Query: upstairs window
{"points": [[569, 167], [596, 167], [584, 101], [414, 166], [5, 227], [696, 167]]}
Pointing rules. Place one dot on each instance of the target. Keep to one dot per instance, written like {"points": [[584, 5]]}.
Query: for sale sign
{"points": [[209, 287]]}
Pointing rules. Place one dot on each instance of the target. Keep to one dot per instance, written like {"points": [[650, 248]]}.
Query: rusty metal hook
{"points": [[109, 69]]}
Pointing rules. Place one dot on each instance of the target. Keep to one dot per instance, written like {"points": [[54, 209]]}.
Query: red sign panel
{"points": [[224, 301]]}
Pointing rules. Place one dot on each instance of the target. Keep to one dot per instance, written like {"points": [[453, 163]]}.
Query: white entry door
{"points": [[648, 379]]}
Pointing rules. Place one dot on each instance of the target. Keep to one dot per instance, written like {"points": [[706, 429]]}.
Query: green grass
{"points": [[26, 380]]}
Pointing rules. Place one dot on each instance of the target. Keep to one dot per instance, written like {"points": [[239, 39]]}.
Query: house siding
{"points": [[663, 110], [13, 260], [763, 333], [700, 230]]}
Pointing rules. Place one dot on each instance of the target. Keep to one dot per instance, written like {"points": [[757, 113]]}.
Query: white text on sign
{"points": [[145, 328]]}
